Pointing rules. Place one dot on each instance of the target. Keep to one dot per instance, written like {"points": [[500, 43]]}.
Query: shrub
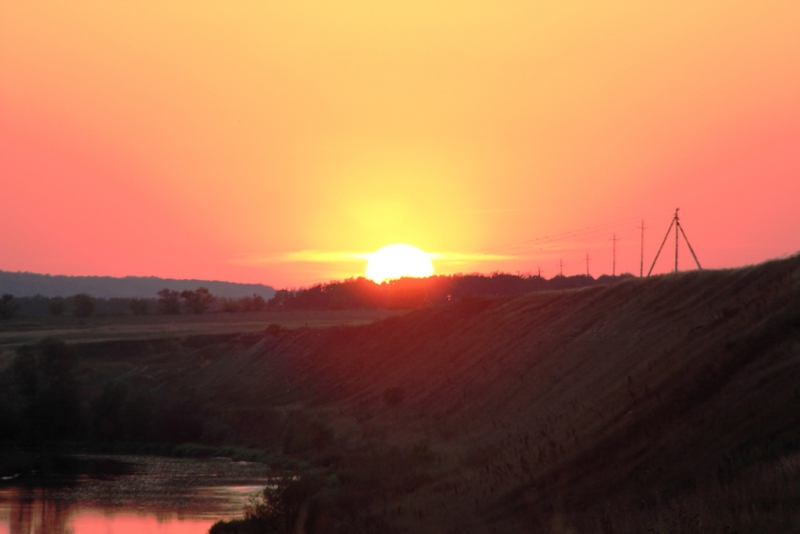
{"points": [[139, 306], [83, 305], [8, 306], [198, 301], [169, 302], [56, 306], [274, 330], [276, 509]]}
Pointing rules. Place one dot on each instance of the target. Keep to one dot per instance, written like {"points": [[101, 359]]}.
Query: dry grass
{"points": [[23, 331]]}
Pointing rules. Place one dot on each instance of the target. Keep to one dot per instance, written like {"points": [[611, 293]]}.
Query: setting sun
{"points": [[397, 261]]}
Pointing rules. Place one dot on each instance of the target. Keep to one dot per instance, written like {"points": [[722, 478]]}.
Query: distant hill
{"points": [[29, 284]]}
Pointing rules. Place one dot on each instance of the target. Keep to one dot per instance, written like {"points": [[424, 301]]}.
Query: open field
{"points": [[20, 331]]}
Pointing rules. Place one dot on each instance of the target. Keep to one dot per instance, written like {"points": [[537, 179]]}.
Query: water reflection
{"points": [[120, 495]]}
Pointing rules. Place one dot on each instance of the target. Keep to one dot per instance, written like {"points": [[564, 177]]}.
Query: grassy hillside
{"points": [[666, 403], [669, 404]]}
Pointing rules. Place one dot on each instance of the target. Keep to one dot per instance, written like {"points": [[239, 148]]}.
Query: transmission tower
{"points": [[678, 228]]}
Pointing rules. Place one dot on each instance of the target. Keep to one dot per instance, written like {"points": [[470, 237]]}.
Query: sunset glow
{"points": [[222, 140], [398, 261]]}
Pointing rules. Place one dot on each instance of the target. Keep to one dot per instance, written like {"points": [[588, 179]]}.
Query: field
{"points": [[668, 404], [20, 331]]}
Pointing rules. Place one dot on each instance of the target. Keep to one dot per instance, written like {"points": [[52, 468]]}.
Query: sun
{"points": [[397, 261]]}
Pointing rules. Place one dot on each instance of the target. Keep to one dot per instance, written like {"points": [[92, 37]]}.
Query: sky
{"points": [[282, 142]]}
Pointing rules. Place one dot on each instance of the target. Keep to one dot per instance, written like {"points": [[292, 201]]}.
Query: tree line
{"points": [[43, 399], [166, 302], [407, 293], [355, 293]]}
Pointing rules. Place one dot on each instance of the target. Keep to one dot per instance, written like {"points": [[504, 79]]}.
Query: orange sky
{"points": [[276, 142]]}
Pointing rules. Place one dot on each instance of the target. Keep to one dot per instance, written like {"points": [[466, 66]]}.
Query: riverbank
{"points": [[129, 493], [16, 460]]}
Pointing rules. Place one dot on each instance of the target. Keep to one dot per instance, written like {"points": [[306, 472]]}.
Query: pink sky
{"points": [[279, 144]]}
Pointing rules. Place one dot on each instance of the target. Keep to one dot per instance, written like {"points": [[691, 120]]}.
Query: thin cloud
{"points": [[308, 256], [327, 256], [467, 257]]}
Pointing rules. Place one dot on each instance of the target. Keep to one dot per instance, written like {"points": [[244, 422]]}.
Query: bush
{"points": [[198, 301], [83, 305], [169, 302], [56, 306], [274, 330], [239, 526], [44, 379], [276, 509], [321, 435], [139, 306], [8, 306], [279, 505]]}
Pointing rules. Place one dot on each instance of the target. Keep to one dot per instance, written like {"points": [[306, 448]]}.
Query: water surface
{"points": [[128, 494]]}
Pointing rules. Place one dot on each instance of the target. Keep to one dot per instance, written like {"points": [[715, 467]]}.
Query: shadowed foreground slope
{"points": [[659, 405], [665, 403]]}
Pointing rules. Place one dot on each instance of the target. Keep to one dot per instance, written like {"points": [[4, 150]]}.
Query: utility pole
{"points": [[677, 224], [561, 267], [587, 264], [641, 256], [678, 228], [540, 270], [614, 263]]}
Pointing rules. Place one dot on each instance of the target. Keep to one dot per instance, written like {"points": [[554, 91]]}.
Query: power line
{"points": [[560, 236]]}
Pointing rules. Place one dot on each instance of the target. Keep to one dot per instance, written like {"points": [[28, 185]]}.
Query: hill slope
{"points": [[653, 405], [573, 406]]}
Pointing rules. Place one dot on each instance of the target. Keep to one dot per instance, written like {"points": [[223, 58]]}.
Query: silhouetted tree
{"points": [[137, 416], [139, 306], [278, 506], [8, 306], [198, 301], [406, 293], [229, 305], [259, 304], [106, 412], [180, 418], [282, 299], [83, 305], [169, 302], [254, 303], [56, 306], [44, 376]]}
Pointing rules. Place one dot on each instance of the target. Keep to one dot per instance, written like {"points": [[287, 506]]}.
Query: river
{"points": [[113, 494]]}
